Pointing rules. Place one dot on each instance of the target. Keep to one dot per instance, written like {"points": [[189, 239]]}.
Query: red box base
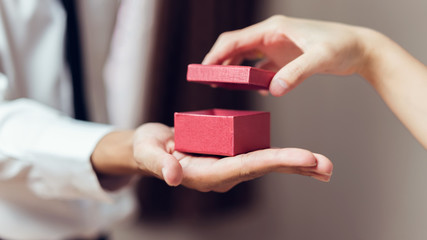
{"points": [[222, 132], [230, 76]]}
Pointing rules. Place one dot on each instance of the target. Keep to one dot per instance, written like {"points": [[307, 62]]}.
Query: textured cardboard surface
{"points": [[222, 132], [228, 76]]}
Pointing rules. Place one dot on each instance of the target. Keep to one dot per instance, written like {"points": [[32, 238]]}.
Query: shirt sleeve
{"points": [[51, 149]]}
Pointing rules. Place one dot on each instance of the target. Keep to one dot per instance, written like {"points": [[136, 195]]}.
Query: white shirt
{"points": [[48, 189]]}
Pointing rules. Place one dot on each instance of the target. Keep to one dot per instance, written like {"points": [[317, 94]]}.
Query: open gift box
{"points": [[222, 132]]}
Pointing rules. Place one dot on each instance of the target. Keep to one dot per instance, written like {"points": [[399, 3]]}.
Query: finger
{"points": [[163, 165], [324, 165], [322, 171], [292, 74], [323, 178], [152, 151], [171, 170], [233, 43], [251, 165], [315, 175]]}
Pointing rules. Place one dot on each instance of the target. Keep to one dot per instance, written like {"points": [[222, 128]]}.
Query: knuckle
{"points": [[276, 18], [276, 22], [224, 36], [326, 49], [228, 42]]}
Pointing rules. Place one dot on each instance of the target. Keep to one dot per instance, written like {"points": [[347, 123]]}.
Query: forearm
{"points": [[400, 79]]}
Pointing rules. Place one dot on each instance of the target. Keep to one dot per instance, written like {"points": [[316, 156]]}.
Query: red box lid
{"points": [[230, 76]]}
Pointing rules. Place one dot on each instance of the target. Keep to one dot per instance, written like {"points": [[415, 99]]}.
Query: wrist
{"points": [[373, 44], [113, 155]]}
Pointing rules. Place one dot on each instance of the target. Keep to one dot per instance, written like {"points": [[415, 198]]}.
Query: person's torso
{"points": [[32, 65]]}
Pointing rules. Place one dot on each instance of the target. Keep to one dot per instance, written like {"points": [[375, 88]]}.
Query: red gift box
{"points": [[222, 132], [230, 76]]}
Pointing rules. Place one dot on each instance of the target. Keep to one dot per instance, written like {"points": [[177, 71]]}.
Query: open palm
{"points": [[154, 153]]}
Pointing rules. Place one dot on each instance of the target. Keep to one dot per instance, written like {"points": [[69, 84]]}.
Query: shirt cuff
{"points": [[56, 148], [64, 168]]}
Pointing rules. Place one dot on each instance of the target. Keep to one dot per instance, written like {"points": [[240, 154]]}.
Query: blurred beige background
{"points": [[378, 190]]}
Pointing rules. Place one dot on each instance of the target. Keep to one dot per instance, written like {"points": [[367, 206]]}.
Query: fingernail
{"points": [[280, 85]]}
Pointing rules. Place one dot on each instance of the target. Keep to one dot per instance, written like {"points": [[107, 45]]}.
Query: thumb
{"points": [[293, 73], [156, 161], [153, 143], [171, 170]]}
